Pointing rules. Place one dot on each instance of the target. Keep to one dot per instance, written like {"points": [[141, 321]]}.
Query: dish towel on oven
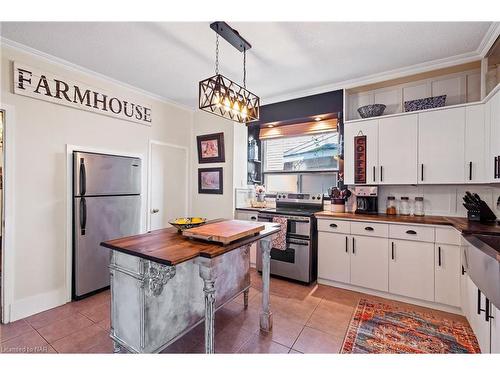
{"points": [[279, 240]]}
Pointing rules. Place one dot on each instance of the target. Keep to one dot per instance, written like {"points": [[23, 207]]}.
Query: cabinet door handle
{"points": [[422, 172], [463, 270], [353, 249], [479, 309], [439, 256], [253, 218], [411, 232], [373, 173], [487, 315], [346, 244], [369, 228], [333, 225], [381, 174], [470, 171], [496, 167], [392, 250]]}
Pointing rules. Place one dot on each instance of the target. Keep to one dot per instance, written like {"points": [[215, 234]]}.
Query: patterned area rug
{"points": [[380, 328]]}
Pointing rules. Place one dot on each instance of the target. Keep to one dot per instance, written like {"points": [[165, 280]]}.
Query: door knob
{"points": [[155, 210]]}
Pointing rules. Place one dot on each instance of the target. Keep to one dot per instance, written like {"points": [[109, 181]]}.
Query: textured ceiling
{"points": [[169, 59]]}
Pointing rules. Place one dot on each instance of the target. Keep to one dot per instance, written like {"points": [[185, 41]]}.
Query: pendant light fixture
{"points": [[220, 95]]}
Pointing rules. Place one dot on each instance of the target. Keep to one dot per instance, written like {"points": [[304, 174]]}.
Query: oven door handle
{"points": [[304, 243], [299, 220]]}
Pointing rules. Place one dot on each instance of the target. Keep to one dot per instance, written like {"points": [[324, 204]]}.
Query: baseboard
{"points": [[41, 302], [414, 301]]}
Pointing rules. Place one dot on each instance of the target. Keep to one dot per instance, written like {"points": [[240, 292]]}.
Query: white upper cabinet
{"points": [[441, 146], [370, 130], [475, 141], [397, 150], [494, 124]]}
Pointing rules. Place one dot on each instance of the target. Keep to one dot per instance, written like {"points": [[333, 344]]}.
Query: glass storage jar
{"points": [[419, 206], [404, 208], [390, 208]]}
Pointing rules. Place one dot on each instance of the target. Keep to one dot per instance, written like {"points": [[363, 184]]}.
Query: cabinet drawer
{"points": [[369, 229], [334, 226], [447, 236], [411, 232]]}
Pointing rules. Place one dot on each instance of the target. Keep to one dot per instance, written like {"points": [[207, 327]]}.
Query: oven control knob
{"points": [[314, 197]]}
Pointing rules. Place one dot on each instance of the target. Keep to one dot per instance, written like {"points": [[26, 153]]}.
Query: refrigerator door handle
{"points": [[83, 177], [83, 216]]}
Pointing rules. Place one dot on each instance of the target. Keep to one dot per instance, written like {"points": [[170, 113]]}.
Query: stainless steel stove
{"points": [[299, 260]]}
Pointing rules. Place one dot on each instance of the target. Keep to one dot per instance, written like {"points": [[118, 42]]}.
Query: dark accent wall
{"points": [[300, 109]]}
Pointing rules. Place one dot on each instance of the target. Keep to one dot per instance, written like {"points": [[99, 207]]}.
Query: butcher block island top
{"points": [[167, 246]]}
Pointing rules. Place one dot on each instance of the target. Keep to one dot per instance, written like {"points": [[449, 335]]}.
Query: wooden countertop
{"points": [[167, 246], [459, 223]]}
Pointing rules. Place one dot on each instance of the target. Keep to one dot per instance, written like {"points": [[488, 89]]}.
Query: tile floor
{"points": [[306, 320]]}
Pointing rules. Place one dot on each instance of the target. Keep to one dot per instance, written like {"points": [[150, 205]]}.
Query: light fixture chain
{"points": [[245, 68], [216, 54]]}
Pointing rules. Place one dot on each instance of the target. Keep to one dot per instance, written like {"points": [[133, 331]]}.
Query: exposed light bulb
{"points": [[217, 100], [317, 119], [244, 112], [227, 104], [236, 107]]}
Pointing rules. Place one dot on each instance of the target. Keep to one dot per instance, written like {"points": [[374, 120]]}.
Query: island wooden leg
{"points": [[245, 298], [208, 274], [266, 316]]}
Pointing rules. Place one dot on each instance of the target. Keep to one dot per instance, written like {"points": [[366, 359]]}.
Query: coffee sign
{"points": [[41, 85], [360, 159]]}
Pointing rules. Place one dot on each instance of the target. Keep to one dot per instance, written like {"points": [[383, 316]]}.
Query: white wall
{"points": [[213, 206], [42, 131]]}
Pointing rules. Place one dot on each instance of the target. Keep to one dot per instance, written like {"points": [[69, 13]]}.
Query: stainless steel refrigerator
{"points": [[106, 205]]}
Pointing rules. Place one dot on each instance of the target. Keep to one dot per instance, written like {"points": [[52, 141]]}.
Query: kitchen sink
{"points": [[481, 260]]}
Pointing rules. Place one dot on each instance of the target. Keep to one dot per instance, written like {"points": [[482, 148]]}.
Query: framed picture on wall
{"points": [[210, 181], [211, 148]]}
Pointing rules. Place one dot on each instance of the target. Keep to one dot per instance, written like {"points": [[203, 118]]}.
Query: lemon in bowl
{"points": [[182, 223]]}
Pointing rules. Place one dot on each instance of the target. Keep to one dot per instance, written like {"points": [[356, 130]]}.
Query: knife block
{"points": [[483, 214]]}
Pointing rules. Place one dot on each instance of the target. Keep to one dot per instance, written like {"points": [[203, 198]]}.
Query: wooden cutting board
{"points": [[224, 231]]}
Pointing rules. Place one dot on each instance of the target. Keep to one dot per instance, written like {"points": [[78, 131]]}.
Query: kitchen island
{"points": [[164, 284]]}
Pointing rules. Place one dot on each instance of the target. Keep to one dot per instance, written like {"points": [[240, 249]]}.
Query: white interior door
{"points": [[169, 187]]}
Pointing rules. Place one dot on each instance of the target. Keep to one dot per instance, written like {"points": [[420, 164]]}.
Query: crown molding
{"points": [[488, 39], [80, 69]]}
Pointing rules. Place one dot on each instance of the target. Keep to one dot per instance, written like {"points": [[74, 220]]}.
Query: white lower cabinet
{"points": [[333, 257], [495, 330], [369, 262], [447, 274], [476, 315], [411, 269]]}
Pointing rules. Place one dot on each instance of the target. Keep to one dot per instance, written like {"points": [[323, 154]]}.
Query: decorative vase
{"points": [[261, 197]]}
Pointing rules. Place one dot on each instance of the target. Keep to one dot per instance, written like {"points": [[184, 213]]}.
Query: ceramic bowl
{"points": [[371, 110], [182, 223]]}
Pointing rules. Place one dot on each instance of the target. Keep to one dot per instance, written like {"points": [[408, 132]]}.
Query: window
{"points": [[303, 153], [301, 164]]}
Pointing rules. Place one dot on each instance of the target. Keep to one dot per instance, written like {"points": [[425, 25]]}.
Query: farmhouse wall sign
{"points": [[360, 159], [36, 84]]}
